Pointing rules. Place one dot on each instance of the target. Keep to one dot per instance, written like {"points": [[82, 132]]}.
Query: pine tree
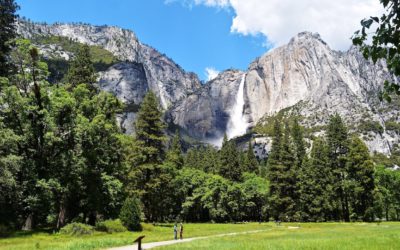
{"points": [[174, 154], [315, 184], [275, 170], [229, 159], [147, 173], [192, 158], [361, 179], [298, 141], [289, 191], [250, 160], [337, 139], [81, 70], [150, 129], [8, 32]]}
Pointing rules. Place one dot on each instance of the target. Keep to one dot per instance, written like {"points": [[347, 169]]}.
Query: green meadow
{"points": [[287, 236], [99, 240], [341, 236]]}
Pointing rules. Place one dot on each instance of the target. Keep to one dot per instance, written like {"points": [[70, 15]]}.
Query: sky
{"points": [[208, 36]]}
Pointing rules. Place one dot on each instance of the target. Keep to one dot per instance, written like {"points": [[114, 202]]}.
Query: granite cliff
{"points": [[304, 77]]}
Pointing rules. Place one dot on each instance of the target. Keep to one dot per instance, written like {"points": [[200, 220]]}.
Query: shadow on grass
{"points": [[18, 234]]}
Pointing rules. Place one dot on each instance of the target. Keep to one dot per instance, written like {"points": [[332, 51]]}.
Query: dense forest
{"points": [[64, 159]]}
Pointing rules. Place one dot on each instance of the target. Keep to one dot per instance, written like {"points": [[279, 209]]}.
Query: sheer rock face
{"points": [[319, 82], [305, 76], [205, 113], [308, 70], [121, 42], [141, 69]]}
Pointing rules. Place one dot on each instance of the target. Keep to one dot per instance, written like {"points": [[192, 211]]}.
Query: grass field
{"points": [[287, 236], [45, 240], [307, 236]]}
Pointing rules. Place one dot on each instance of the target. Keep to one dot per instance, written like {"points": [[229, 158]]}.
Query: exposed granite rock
{"points": [[305, 75], [121, 42], [142, 68], [205, 113], [319, 82]]}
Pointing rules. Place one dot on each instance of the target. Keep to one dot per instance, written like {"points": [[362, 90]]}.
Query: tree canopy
{"points": [[385, 42]]}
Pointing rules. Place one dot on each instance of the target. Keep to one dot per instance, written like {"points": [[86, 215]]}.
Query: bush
{"points": [[393, 126], [130, 214], [110, 226], [77, 229], [366, 126], [4, 230]]}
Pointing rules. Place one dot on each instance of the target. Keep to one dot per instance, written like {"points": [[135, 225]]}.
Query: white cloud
{"points": [[211, 73], [279, 20], [209, 3], [213, 3]]}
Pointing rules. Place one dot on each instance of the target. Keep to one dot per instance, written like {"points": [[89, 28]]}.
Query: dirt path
{"points": [[170, 242]]}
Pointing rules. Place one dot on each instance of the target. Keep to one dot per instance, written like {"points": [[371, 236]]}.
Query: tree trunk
{"points": [[61, 216], [28, 223], [92, 218], [387, 214]]}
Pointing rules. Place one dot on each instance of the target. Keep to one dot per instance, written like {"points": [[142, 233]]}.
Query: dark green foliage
{"points": [[392, 126], [229, 160], [204, 197], [316, 184], [174, 154], [298, 143], [81, 69], [8, 18], [203, 158], [281, 176], [368, 125], [360, 183], [150, 130], [130, 214], [77, 229], [337, 139], [110, 226], [147, 174], [63, 157], [385, 42], [250, 162], [387, 193]]}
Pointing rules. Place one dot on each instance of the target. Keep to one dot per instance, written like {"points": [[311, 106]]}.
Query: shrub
{"points": [[130, 214], [368, 125], [393, 126], [110, 226], [77, 229], [4, 230]]}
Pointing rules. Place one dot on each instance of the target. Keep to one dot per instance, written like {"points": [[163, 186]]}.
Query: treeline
{"points": [[61, 156], [64, 159], [335, 181]]}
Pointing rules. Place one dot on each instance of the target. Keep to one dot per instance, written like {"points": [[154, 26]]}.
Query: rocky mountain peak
{"points": [[307, 36], [304, 76], [121, 42]]}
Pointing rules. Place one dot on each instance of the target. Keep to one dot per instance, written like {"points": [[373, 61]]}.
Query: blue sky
{"points": [[196, 37]]}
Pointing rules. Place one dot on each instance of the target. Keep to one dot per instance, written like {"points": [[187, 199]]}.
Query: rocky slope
{"points": [[309, 79], [304, 77], [141, 67]]}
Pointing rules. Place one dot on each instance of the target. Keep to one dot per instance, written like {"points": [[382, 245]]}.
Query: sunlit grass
{"points": [[46, 240], [308, 236]]}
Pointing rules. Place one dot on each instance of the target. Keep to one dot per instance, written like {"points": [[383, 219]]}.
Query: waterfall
{"points": [[237, 124]]}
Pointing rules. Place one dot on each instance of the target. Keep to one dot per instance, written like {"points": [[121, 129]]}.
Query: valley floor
{"points": [[261, 236]]}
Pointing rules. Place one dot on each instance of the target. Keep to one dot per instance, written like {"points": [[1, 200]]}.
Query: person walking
{"points": [[181, 231], [175, 231]]}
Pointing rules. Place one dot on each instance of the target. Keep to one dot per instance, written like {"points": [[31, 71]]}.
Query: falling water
{"points": [[237, 124]]}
